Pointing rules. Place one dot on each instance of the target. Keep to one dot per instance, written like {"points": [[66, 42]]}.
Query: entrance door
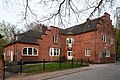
{"points": [[69, 55]]}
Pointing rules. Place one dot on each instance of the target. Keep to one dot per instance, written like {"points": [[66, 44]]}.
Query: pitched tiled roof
{"points": [[89, 25], [30, 36]]}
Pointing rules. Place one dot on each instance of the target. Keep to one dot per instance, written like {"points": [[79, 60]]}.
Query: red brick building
{"points": [[94, 39]]}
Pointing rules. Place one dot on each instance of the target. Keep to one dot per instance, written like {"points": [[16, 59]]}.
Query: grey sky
{"points": [[12, 12]]}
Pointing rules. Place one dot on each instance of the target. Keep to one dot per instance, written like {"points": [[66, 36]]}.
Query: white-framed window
{"points": [[111, 40], [103, 38], [54, 52], [87, 52], [69, 53], [8, 52], [55, 39], [69, 40], [107, 53], [30, 51]]}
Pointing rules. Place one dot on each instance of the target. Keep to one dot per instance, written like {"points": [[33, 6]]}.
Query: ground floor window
{"points": [[54, 51], [107, 53], [8, 52], [29, 51], [87, 52], [69, 53]]}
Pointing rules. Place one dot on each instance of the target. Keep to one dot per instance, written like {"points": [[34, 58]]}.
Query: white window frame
{"points": [[111, 40], [71, 52], [103, 38], [54, 50], [32, 51], [107, 54], [68, 41], [87, 52], [55, 39]]}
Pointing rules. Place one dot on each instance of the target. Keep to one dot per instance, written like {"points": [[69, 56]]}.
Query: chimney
{"points": [[107, 15], [44, 28]]}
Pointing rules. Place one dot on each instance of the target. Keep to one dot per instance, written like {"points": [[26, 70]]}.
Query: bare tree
{"points": [[37, 27], [9, 30], [63, 11]]}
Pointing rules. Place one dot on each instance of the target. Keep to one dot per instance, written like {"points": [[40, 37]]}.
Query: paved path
{"points": [[103, 72], [71, 74]]}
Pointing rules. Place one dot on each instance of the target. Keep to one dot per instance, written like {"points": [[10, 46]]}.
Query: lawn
{"points": [[39, 68]]}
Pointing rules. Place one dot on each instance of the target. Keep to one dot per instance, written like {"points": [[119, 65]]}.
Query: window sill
{"points": [[107, 56], [29, 55], [87, 55]]}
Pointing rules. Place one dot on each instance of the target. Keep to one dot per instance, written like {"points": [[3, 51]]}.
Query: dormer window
{"points": [[69, 40], [55, 39]]}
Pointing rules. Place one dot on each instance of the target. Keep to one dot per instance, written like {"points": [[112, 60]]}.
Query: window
{"points": [[25, 51], [69, 40], [8, 52], [55, 39], [107, 53], [30, 51], [54, 51], [69, 53], [111, 40], [35, 51], [103, 38], [87, 52]]}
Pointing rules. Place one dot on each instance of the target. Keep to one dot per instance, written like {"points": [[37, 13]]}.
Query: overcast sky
{"points": [[13, 11]]}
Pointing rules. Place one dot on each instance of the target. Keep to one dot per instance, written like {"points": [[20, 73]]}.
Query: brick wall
{"points": [[1, 70]]}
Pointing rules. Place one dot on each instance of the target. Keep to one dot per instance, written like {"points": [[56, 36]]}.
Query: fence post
{"points": [[60, 62], [3, 67], [20, 66], [43, 64], [81, 61], [72, 62]]}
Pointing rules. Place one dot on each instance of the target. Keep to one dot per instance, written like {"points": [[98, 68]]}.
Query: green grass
{"points": [[38, 68]]}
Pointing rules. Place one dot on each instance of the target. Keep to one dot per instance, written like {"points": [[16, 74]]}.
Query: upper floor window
{"points": [[111, 40], [87, 52], [54, 51], [103, 38], [55, 39], [69, 40], [107, 53], [29, 51]]}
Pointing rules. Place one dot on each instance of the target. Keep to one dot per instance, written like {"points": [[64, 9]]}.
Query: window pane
{"points": [[55, 39], [35, 51], [107, 53], [29, 51], [87, 52], [111, 41], [57, 52], [25, 51], [54, 52], [51, 52]]}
